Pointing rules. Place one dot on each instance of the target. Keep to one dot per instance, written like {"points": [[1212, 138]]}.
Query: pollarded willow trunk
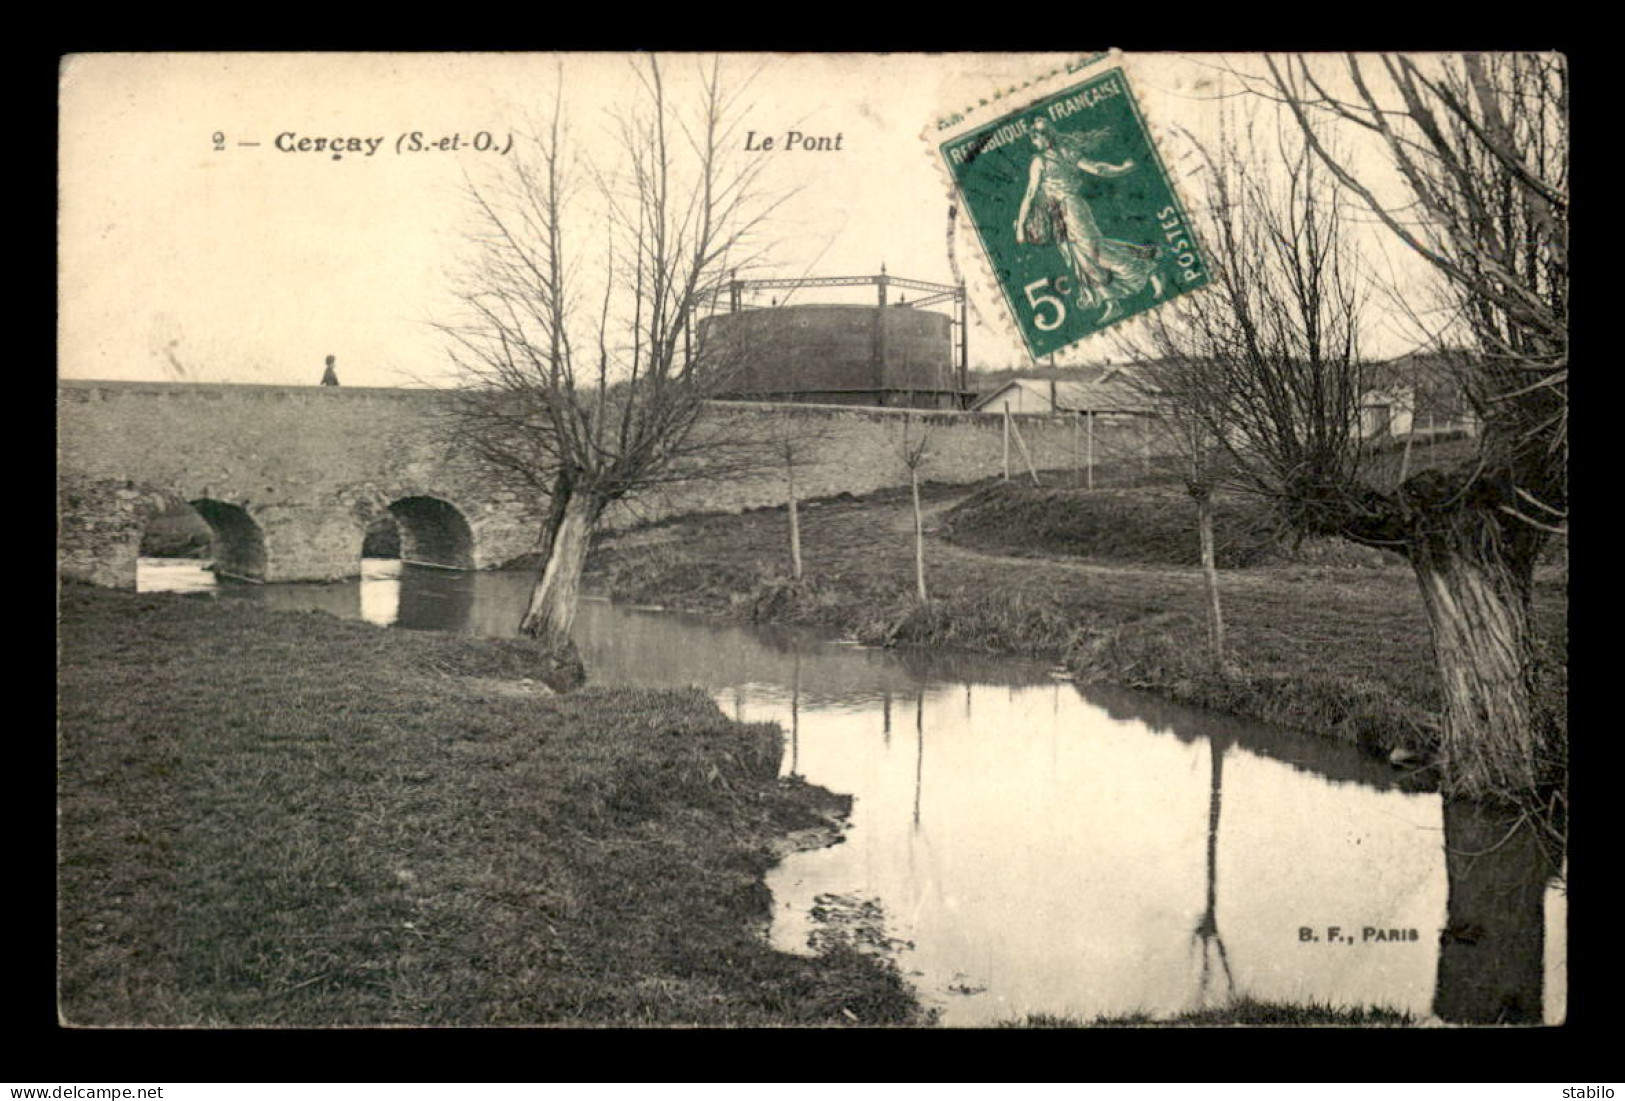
{"points": [[562, 487], [1476, 587], [552, 609]]}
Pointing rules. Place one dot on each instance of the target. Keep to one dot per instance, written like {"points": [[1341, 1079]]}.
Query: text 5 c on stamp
{"points": [[1075, 212]]}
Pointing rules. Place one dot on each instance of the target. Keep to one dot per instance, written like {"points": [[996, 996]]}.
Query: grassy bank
{"points": [[1153, 525], [286, 819], [1320, 641], [1245, 1011]]}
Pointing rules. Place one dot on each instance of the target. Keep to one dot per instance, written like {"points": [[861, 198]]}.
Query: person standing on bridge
{"points": [[330, 377]]}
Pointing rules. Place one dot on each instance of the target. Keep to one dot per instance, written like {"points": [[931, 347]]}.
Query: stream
{"points": [[1022, 845]]}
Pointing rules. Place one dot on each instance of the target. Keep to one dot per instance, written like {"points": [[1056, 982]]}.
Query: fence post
{"points": [[1026, 454], [1077, 468], [1007, 441], [1091, 467]]}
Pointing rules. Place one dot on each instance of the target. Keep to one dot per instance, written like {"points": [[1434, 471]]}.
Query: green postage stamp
{"points": [[1075, 211]]}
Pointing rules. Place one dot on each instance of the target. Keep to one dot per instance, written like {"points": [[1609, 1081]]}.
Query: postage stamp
{"points": [[1074, 208]]}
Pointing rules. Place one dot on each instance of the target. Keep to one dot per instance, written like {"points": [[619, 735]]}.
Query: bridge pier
{"points": [[99, 525], [311, 542]]}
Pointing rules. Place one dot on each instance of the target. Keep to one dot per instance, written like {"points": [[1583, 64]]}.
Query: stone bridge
{"points": [[290, 477]]}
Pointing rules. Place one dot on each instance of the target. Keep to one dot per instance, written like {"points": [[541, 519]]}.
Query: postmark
{"points": [[1078, 221]]}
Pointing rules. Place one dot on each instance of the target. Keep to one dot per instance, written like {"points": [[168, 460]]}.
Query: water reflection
{"points": [[1207, 938], [380, 591], [1492, 957], [174, 575], [388, 593], [1046, 849], [1057, 859]]}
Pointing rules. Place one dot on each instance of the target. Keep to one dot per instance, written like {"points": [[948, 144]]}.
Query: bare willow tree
{"points": [[1476, 147], [584, 371], [1182, 384], [797, 442], [1256, 382], [914, 451]]}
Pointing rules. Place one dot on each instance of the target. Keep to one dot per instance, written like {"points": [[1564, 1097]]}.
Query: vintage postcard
{"points": [[812, 540]]}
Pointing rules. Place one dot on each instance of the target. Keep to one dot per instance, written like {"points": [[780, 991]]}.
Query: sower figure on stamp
{"points": [[330, 377], [1053, 210]]}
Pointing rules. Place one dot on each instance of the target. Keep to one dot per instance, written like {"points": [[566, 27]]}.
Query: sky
{"points": [[186, 253]]}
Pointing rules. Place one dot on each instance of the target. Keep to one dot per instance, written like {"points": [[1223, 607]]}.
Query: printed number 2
{"points": [[1037, 300], [219, 142]]}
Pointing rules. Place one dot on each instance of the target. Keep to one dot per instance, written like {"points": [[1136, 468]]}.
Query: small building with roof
{"points": [[1093, 390]]}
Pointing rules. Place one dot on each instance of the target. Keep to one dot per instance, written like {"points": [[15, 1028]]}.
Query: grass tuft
{"points": [[1245, 1011]]}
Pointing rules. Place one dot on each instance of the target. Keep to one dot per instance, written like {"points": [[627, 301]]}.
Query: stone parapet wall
{"points": [[313, 466], [850, 449]]}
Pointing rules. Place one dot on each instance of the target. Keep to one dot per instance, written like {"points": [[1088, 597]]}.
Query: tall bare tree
{"points": [[1256, 382], [1182, 383], [1476, 147], [797, 442], [914, 451], [590, 402]]}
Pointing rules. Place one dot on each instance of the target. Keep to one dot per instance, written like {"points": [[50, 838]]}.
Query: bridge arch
{"points": [[433, 532], [238, 546], [172, 528]]}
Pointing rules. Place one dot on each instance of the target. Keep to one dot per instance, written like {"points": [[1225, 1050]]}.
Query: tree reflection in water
{"points": [[919, 752], [1207, 937], [1492, 950], [795, 717]]}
